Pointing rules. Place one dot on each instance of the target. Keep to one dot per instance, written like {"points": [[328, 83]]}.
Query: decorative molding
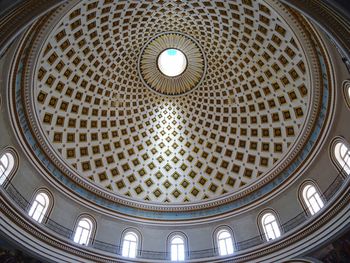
{"points": [[335, 208], [189, 80], [206, 204], [332, 22], [22, 15]]}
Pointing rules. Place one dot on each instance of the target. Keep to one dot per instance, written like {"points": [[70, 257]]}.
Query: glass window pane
{"points": [[4, 161], [177, 240], [130, 237], [77, 234], [269, 232], [310, 191], [130, 245], [276, 229], [314, 206], [39, 207], [6, 166], [269, 218], [342, 155], [41, 199], [229, 246], [177, 249], [84, 224], [84, 240], [222, 248], [224, 234], [126, 246], [2, 170], [37, 213], [319, 200], [312, 199], [270, 226], [83, 232], [33, 208], [2, 175], [181, 252], [174, 255], [132, 250], [225, 243], [343, 150]]}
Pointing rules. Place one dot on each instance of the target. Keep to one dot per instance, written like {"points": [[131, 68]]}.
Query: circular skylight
{"points": [[172, 62]]}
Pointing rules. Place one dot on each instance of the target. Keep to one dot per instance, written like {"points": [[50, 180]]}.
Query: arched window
{"points": [[312, 199], [83, 231], [177, 248], [346, 89], [39, 207], [225, 243], [130, 244], [270, 226], [342, 155], [7, 163]]}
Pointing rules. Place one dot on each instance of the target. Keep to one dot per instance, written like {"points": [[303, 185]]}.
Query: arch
{"points": [[8, 164], [84, 230], [340, 155], [177, 243], [310, 197], [131, 243], [346, 92], [224, 241], [269, 225], [41, 205]]}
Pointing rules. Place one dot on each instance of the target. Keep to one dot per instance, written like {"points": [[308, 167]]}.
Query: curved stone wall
{"points": [[67, 207]]}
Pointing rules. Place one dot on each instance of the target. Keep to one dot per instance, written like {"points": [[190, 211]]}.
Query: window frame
{"points": [[346, 92], [342, 159], [138, 236], [216, 239], [38, 207], [91, 236], [14, 168], [170, 245], [262, 228], [47, 212], [304, 202], [334, 158]]}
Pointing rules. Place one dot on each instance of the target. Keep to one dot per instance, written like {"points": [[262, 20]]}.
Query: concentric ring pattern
{"points": [[102, 122], [163, 84]]}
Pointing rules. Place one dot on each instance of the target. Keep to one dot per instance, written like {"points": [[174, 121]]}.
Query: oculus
{"points": [[247, 113], [172, 62]]}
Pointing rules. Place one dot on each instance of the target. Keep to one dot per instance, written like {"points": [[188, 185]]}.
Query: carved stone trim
{"points": [[203, 205], [339, 202]]}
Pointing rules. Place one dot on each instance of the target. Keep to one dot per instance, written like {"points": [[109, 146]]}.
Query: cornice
{"points": [[225, 200], [332, 22], [20, 16], [338, 206]]}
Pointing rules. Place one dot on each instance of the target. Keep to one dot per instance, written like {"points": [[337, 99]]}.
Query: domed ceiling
{"points": [[238, 124]]}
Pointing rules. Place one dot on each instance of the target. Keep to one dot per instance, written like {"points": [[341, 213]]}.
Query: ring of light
{"points": [[163, 84]]}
